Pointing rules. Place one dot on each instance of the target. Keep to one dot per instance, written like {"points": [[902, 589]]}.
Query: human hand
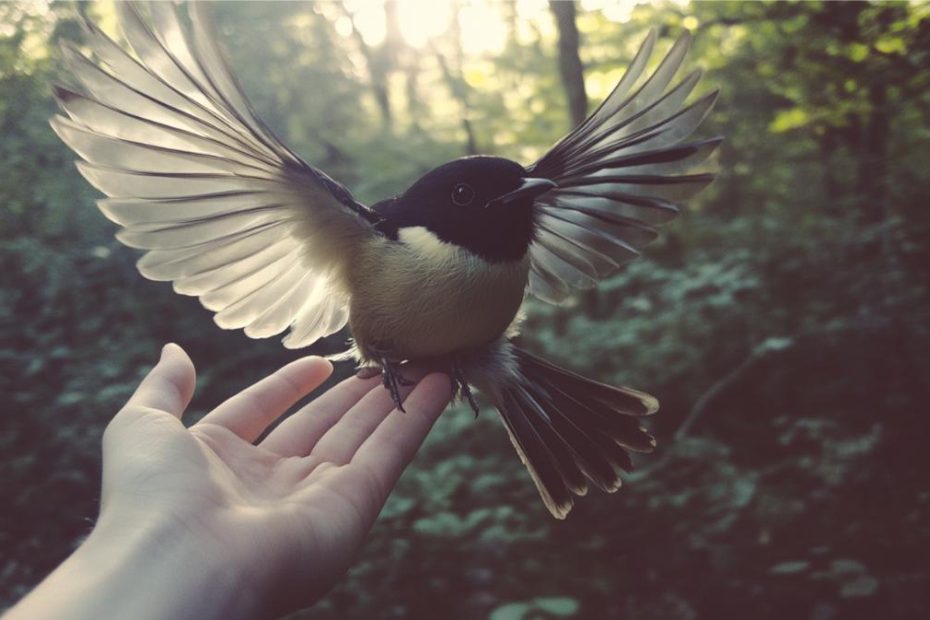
{"points": [[281, 521]]}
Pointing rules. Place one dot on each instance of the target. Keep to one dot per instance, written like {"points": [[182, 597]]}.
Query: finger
{"points": [[393, 445], [341, 441], [297, 435], [250, 412], [169, 386]]}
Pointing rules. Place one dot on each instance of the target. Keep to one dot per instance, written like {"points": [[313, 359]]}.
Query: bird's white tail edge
{"points": [[568, 430]]}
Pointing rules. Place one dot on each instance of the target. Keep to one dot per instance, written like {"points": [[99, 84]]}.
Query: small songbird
{"points": [[436, 275]]}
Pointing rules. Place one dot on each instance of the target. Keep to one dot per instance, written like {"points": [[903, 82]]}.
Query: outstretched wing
{"points": [[222, 207], [620, 174]]}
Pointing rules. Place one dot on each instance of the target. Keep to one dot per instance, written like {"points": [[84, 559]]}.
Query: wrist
{"points": [[177, 569], [146, 569]]}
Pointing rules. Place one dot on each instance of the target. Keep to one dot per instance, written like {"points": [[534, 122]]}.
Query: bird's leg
{"points": [[391, 379], [390, 374], [460, 387]]}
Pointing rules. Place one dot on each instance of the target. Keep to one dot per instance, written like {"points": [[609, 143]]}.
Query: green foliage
{"points": [[790, 302], [537, 608]]}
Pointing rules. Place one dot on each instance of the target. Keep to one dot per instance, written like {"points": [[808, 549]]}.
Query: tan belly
{"points": [[426, 298]]}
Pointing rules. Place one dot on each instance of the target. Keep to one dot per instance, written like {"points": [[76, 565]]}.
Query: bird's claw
{"points": [[461, 389], [392, 380]]}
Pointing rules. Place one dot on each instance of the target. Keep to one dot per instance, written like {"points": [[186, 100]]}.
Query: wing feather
{"points": [[214, 255], [135, 212], [545, 285], [279, 314], [620, 173], [141, 157], [325, 312], [111, 122], [193, 176], [213, 279], [137, 77], [239, 311]]}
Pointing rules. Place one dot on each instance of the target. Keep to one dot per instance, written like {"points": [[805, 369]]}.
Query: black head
{"points": [[483, 204]]}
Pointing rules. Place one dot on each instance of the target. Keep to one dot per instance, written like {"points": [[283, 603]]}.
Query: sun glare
{"points": [[480, 22], [422, 20], [483, 28], [614, 10]]}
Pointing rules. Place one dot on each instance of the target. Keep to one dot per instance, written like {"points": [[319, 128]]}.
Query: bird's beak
{"points": [[529, 188]]}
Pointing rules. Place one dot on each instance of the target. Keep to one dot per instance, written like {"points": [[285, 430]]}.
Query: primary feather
{"points": [[620, 174], [224, 209]]}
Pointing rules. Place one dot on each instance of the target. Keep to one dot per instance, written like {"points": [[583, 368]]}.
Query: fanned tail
{"points": [[568, 430]]}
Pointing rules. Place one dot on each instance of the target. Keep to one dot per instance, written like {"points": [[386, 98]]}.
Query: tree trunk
{"points": [[415, 108], [455, 80], [828, 144], [572, 72], [459, 91], [873, 176], [873, 156], [379, 66], [569, 61]]}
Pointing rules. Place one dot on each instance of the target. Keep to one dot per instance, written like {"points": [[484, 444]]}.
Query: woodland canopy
{"points": [[782, 320]]}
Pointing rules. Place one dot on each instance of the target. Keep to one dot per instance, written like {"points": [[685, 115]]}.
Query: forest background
{"points": [[782, 320]]}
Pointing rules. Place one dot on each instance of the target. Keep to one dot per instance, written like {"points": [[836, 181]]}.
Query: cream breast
{"points": [[423, 297]]}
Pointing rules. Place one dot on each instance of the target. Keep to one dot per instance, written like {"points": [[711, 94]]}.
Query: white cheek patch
{"points": [[430, 247], [433, 255]]}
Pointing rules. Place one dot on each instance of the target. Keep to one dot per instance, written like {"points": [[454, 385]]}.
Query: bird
{"points": [[436, 275]]}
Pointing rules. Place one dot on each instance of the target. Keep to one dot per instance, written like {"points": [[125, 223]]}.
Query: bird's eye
{"points": [[463, 194]]}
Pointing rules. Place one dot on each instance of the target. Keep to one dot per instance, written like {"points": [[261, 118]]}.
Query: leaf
{"points": [[786, 120], [790, 568], [891, 45], [558, 606]]}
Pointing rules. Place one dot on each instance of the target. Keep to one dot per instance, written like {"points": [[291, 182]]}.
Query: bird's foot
{"points": [[367, 372], [389, 367], [392, 380], [461, 389]]}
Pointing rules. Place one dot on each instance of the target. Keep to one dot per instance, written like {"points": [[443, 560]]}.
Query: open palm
{"points": [[292, 511]]}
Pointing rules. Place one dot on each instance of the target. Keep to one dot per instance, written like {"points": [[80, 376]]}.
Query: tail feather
{"points": [[601, 446], [569, 430], [588, 449], [623, 429], [535, 454], [626, 400]]}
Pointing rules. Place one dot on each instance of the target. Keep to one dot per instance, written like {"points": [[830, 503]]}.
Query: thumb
{"points": [[169, 385]]}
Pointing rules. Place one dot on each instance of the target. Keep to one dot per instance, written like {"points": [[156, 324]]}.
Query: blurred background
{"points": [[782, 320]]}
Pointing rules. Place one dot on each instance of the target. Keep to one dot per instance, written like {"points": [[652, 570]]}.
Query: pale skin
{"points": [[200, 522]]}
